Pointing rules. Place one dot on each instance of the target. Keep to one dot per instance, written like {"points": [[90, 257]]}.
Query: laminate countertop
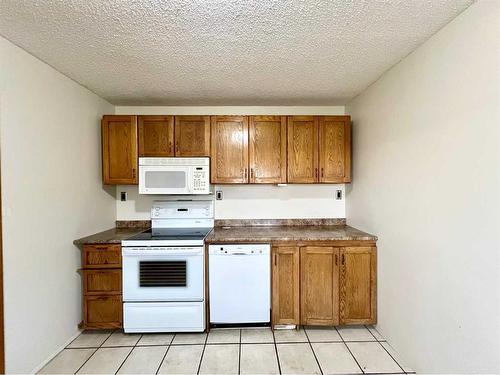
{"points": [[114, 235], [260, 234]]}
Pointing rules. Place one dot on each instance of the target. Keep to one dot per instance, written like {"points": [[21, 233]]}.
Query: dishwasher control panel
{"points": [[240, 249]]}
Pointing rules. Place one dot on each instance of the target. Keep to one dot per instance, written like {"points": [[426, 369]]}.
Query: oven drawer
{"points": [[102, 256], [164, 316], [99, 282]]}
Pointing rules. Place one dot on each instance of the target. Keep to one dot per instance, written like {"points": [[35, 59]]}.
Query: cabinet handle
{"points": [[275, 262], [343, 259], [133, 172], [246, 173], [322, 173], [316, 173], [176, 147], [170, 147], [251, 173], [336, 260]]}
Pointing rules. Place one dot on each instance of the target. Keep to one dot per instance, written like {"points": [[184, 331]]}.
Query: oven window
{"points": [[162, 273], [165, 179]]}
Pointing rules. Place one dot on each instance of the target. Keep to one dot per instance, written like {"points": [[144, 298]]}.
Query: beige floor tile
{"points": [[258, 359], [105, 361], [376, 333], [396, 357], [334, 358], [357, 333], [323, 334], [220, 359], [257, 336], [67, 362], [121, 339], [182, 359], [297, 359], [290, 335], [372, 357], [143, 360], [189, 338], [224, 336], [90, 339], [156, 339]]}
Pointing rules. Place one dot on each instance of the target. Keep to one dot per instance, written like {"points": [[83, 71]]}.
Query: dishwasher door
{"points": [[240, 284]]}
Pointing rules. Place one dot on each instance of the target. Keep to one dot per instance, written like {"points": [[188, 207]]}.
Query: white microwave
{"points": [[174, 175]]}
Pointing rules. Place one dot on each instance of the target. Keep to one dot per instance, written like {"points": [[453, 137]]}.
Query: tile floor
{"points": [[352, 350]]}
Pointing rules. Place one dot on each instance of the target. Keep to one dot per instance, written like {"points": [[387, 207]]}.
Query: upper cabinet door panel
{"points": [[302, 149], [229, 149], [335, 149], [192, 135], [119, 156], [156, 136], [267, 149]]}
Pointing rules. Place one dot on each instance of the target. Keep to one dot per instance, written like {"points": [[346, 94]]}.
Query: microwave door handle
{"points": [[189, 177]]}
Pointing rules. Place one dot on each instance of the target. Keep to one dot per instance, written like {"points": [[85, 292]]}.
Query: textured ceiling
{"points": [[224, 52]]}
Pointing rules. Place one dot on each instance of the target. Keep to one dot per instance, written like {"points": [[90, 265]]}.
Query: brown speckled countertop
{"points": [[287, 233], [115, 235]]}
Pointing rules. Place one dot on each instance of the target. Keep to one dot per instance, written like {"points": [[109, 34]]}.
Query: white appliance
{"points": [[240, 283], [164, 269], [174, 175]]}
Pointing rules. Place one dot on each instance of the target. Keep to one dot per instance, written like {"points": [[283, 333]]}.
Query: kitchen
{"points": [[186, 201]]}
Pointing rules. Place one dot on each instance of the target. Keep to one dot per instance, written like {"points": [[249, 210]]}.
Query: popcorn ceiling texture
{"points": [[224, 52]]}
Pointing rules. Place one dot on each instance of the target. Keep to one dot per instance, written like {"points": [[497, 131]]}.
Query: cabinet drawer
{"points": [[102, 256], [103, 311], [102, 282]]}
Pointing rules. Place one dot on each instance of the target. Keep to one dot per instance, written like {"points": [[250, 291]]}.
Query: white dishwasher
{"points": [[240, 283]]}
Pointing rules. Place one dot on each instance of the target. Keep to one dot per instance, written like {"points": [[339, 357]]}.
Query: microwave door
{"points": [[164, 180]]}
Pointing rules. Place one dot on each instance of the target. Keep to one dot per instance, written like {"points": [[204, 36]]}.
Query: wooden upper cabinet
{"points": [[156, 136], [267, 149], [319, 285], [285, 288], [358, 285], [335, 149], [119, 143], [302, 135], [192, 135], [229, 149]]}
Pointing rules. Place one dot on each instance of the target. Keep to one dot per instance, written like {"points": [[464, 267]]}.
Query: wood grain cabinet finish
{"points": [[302, 134], [285, 285], [119, 156], [229, 149], [267, 149], [156, 136], [358, 279], [335, 149], [102, 286], [192, 135], [319, 285]]}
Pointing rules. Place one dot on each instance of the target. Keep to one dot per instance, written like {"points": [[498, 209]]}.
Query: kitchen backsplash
{"points": [[250, 202]]}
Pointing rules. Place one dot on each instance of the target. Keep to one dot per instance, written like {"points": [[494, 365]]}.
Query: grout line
{"points": [[128, 355], [202, 353], [314, 354], [100, 346], [239, 355], [276, 350], [163, 359], [349, 350], [383, 347]]}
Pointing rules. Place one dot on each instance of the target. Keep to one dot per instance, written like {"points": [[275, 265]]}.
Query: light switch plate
{"points": [[123, 196]]}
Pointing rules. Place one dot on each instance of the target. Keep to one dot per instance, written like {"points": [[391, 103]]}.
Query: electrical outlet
{"points": [[123, 196], [338, 195], [218, 195]]}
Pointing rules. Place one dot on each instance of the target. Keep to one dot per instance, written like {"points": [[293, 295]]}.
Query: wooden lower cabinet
{"points": [[285, 285], [319, 284], [324, 285], [102, 286]]}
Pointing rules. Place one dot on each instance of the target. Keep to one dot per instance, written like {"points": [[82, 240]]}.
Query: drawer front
{"points": [[102, 256], [103, 311], [102, 282]]}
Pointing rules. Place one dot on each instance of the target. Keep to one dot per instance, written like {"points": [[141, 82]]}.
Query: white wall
{"points": [[51, 195], [247, 201], [426, 181]]}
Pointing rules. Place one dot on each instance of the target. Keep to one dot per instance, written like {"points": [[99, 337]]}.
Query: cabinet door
{"points": [[119, 156], [285, 289], [267, 149], [358, 285], [229, 149], [156, 136], [102, 311], [319, 285], [302, 134], [335, 149], [192, 135]]}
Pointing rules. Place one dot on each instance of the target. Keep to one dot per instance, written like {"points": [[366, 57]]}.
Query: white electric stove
{"points": [[164, 269]]}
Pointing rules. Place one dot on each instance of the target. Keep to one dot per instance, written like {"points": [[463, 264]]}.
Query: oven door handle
{"points": [[146, 252]]}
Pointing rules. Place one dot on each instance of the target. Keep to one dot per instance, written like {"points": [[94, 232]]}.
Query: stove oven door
{"points": [[163, 274]]}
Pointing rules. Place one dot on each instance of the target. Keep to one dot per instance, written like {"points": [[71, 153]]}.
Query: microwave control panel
{"points": [[201, 180]]}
